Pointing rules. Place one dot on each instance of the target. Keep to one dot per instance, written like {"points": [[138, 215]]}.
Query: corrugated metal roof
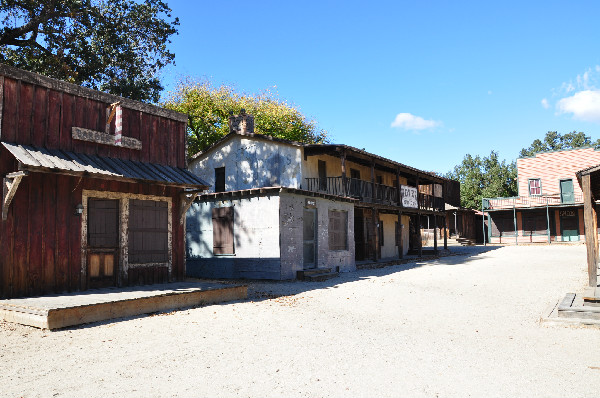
{"points": [[54, 160]]}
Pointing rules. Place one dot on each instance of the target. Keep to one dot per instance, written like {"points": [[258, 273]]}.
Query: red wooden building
{"points": [[94, 188]]}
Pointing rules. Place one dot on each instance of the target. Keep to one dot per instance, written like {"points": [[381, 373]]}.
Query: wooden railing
{"points": [[363, 191], [528, 201]]}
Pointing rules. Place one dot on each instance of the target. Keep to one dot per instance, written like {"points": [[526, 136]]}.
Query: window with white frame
{"points": [[535, 186]]}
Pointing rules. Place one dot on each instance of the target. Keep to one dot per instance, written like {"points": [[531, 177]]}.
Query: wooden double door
{"points": [[103, 242]]}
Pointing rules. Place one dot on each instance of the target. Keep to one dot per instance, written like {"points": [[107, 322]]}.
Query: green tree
{"points": [[117, 46], [554, 141], [486, 177], [208, 109]]}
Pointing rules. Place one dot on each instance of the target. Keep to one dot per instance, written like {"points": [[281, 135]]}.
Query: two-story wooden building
{"points": [[94, 188], [550, 202], [277, 207]]}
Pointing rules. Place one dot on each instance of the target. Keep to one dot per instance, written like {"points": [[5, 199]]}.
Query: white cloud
{"points": [[409, 121], [545, 103], [583, 105]]}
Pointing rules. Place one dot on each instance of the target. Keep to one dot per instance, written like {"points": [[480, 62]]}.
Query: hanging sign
{"points": [[409, 196]]}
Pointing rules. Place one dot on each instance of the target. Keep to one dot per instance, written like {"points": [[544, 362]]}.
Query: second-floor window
{"points": [[220, 179], [535, 187]]}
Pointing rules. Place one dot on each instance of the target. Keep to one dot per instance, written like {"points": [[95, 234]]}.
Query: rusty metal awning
{"points": [[44, 160]]}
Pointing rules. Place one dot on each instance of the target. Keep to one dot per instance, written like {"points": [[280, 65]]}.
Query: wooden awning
{"points": [[44, 160]]}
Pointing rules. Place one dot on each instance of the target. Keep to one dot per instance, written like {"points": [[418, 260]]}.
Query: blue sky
{"points": [[421, 82]]}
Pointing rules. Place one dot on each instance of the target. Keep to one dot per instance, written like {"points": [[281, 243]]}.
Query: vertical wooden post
{"points": [[374, 221], [515, 221], [398, 195], [399, 232], [548, 220], [343, 164], [445, 232], [435, 251], [591, 230], [373, 180]]}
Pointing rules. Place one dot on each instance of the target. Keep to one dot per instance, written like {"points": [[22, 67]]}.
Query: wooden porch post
{"points": [[399, 233], [343, 164], [445, 232], [435, 251], [591, 230], [398, 195], [374, 221], [373, 181], [419, 219]]}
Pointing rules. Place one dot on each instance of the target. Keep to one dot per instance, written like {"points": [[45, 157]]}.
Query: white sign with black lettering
{"points": [[409, 196]]}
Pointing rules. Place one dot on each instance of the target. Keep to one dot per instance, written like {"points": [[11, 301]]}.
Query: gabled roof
{"points": [[332, 147], [38, 159]]}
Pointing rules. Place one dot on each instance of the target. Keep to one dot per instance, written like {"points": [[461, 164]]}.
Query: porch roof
{"points": [[37, 159]]}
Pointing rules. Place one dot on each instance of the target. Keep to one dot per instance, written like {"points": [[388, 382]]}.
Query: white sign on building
{"points": [[409, 196]]}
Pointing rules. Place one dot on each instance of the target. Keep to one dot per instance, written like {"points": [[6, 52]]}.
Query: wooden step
{"points": [[573, 306]]}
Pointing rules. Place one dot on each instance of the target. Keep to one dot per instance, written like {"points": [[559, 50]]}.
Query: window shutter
{"points": [[338, 226], [222, 218]]}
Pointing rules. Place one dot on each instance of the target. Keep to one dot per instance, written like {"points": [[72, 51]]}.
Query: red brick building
{"points": [[550, 202]]}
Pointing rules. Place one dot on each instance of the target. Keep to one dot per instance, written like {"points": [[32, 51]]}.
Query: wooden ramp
{"points": [[69, 309]]}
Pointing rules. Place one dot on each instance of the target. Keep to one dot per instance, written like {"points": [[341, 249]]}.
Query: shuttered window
{"points": [[148, 232], [503, 224], [338, 230], [534, 222], [222, 218]]}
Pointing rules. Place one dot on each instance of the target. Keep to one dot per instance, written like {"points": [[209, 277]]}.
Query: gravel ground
{"points": [[454, 327]]}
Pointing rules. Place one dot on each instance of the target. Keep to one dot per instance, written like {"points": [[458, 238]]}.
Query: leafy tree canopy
{"points": [[208, 109], [486, 177], [117, 46], [554, 141]]}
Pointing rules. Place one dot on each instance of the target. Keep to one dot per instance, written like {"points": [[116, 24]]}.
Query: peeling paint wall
{"points": [[251, 163], [291, 218], [256, 240]]}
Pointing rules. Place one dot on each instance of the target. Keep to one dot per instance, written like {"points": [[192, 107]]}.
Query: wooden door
{"points": [[569, 225], [359, 235], [309, 237], [103, 242]]}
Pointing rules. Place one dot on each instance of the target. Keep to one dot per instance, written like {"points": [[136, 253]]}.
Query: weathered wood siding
{"points": [[40, 242], [40, 116]]}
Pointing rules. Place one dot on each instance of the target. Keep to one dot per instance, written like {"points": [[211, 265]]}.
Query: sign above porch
{"points": [[409, 196]]}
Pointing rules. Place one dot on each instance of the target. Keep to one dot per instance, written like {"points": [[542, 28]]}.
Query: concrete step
{"points": [[320, 277], [315, 274]]}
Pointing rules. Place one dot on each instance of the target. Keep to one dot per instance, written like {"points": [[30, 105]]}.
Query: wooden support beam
{"points": [[375, 223], [9, 187], [435, 251], [400, 235], [343, 165], [187, 198], [445, 232], [591, 230], [373, 181], [398, 195]]}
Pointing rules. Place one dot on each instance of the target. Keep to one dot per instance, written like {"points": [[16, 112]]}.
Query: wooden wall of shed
{"points": [[39, 116], [40, 242]]}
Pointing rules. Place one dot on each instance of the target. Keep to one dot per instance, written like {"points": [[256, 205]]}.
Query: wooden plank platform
{"points": [[69, 309]]}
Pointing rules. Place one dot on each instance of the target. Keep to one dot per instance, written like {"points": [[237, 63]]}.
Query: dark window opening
{"points": [[220, 179]]}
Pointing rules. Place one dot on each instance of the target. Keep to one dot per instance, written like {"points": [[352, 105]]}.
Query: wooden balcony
{"points": [[363, 191]]}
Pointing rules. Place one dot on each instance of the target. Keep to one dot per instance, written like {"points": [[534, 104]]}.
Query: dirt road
{"points": [[458, 326]]}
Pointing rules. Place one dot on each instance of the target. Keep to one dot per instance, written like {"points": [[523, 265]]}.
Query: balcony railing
{"points": [[363, 191], [529, 201]]}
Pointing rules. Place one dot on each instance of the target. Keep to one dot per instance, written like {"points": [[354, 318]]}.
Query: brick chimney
{"points": [[242, 123]]}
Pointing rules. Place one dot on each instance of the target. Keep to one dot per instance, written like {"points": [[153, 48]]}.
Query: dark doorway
{"points": [[359, 235], [103, 242], [322, 175]]}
